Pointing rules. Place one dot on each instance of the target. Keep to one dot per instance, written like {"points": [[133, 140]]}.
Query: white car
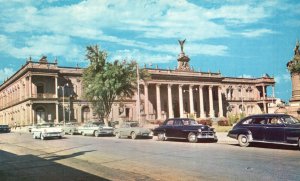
{"points": [[46, 130], [95, 128]]}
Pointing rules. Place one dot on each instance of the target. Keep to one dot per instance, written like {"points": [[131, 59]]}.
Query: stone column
{"points": [[264, 91], [264, 98], [158, 101], [192, 110], [30, 86], [220, 102], [30, 114], [202, 115], [170, 105], [146, 101], [26, 115], [180, 101], [56, 113], [211, 102], [56, 88]]}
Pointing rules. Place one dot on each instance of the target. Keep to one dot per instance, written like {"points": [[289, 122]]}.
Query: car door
{"points": [[177, 129], [126, 129], [169, 128], [257, 128], [86, 128], [274, 130]]}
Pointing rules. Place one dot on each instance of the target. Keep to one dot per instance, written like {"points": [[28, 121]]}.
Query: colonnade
{"points": [[181, 100]]}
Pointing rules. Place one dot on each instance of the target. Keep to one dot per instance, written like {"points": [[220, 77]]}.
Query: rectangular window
{"points": [[40, 89]]}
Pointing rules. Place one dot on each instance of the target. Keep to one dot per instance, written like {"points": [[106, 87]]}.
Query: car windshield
{"points": [[290, 120], [134, 125], [98, 123], [189, 122]]}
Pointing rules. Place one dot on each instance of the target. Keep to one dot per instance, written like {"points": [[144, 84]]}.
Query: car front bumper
{"points": [[105, 132], [207, 136], [54, 134]]}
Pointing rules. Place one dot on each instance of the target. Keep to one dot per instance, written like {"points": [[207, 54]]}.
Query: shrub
{"points": [[205, 122], [223, 122], [234, 118]]}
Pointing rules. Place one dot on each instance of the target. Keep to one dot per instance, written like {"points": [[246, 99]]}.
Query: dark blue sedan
{"points": [[267, 128], [184, 128]]}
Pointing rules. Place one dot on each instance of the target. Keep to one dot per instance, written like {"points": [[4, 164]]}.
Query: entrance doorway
{"points": [[85, 114], [40, 115]]}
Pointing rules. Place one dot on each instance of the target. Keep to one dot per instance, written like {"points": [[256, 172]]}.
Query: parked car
{"points": [[184, 128], [267, 128], [4, 129], [70, 127], [95, 128], [46, 130], [132, 129]]}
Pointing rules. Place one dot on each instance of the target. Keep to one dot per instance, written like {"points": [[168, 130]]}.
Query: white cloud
{"points": [[5, 73], [191, 49], [132, 25], [283, 78], [256, 33], [36, 46], [245, 76], [141, 57], [239, 13]]}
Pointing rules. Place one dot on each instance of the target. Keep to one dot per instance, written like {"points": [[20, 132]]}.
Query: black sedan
{"points": [[267, 128], [184, 128], [4, 129]]}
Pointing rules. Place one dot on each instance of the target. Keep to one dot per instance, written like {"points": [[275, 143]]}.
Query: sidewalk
{"points": [[20, 129]]}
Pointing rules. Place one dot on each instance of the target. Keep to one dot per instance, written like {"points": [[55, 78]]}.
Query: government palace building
{"points": [[42, 91]]}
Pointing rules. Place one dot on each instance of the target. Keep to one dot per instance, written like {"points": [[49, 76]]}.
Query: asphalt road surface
{"points": [[107, 158]]}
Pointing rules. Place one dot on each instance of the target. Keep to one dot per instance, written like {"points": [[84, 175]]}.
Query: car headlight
{"points": [[199, 130]]}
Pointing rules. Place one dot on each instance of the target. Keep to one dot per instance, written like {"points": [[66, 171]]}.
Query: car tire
{"points": [[192, 137], [243, 140], [161, 136], [96, 133], [83, 134], [133, 135], [118, 135], [299, 143], [60, 137]]}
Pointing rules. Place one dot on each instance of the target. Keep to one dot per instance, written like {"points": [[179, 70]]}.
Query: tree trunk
{"points": [[106, 121]]}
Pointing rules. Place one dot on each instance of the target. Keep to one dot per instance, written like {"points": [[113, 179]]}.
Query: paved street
{"points": [[107, 158]]}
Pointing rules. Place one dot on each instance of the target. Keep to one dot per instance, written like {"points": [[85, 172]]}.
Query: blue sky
{"points": [[237, 38]]}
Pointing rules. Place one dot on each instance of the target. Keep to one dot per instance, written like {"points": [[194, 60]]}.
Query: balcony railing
{"points": [[43, 95]]}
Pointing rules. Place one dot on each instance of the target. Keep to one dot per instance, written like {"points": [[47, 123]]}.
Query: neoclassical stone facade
{"points": [[42, 91]]}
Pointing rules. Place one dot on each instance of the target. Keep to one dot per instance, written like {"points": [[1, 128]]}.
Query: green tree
{"points": [[104, 82]]}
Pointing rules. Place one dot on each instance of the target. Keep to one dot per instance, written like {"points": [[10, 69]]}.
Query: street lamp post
{"points": [[63, 106], [138, 93]]}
